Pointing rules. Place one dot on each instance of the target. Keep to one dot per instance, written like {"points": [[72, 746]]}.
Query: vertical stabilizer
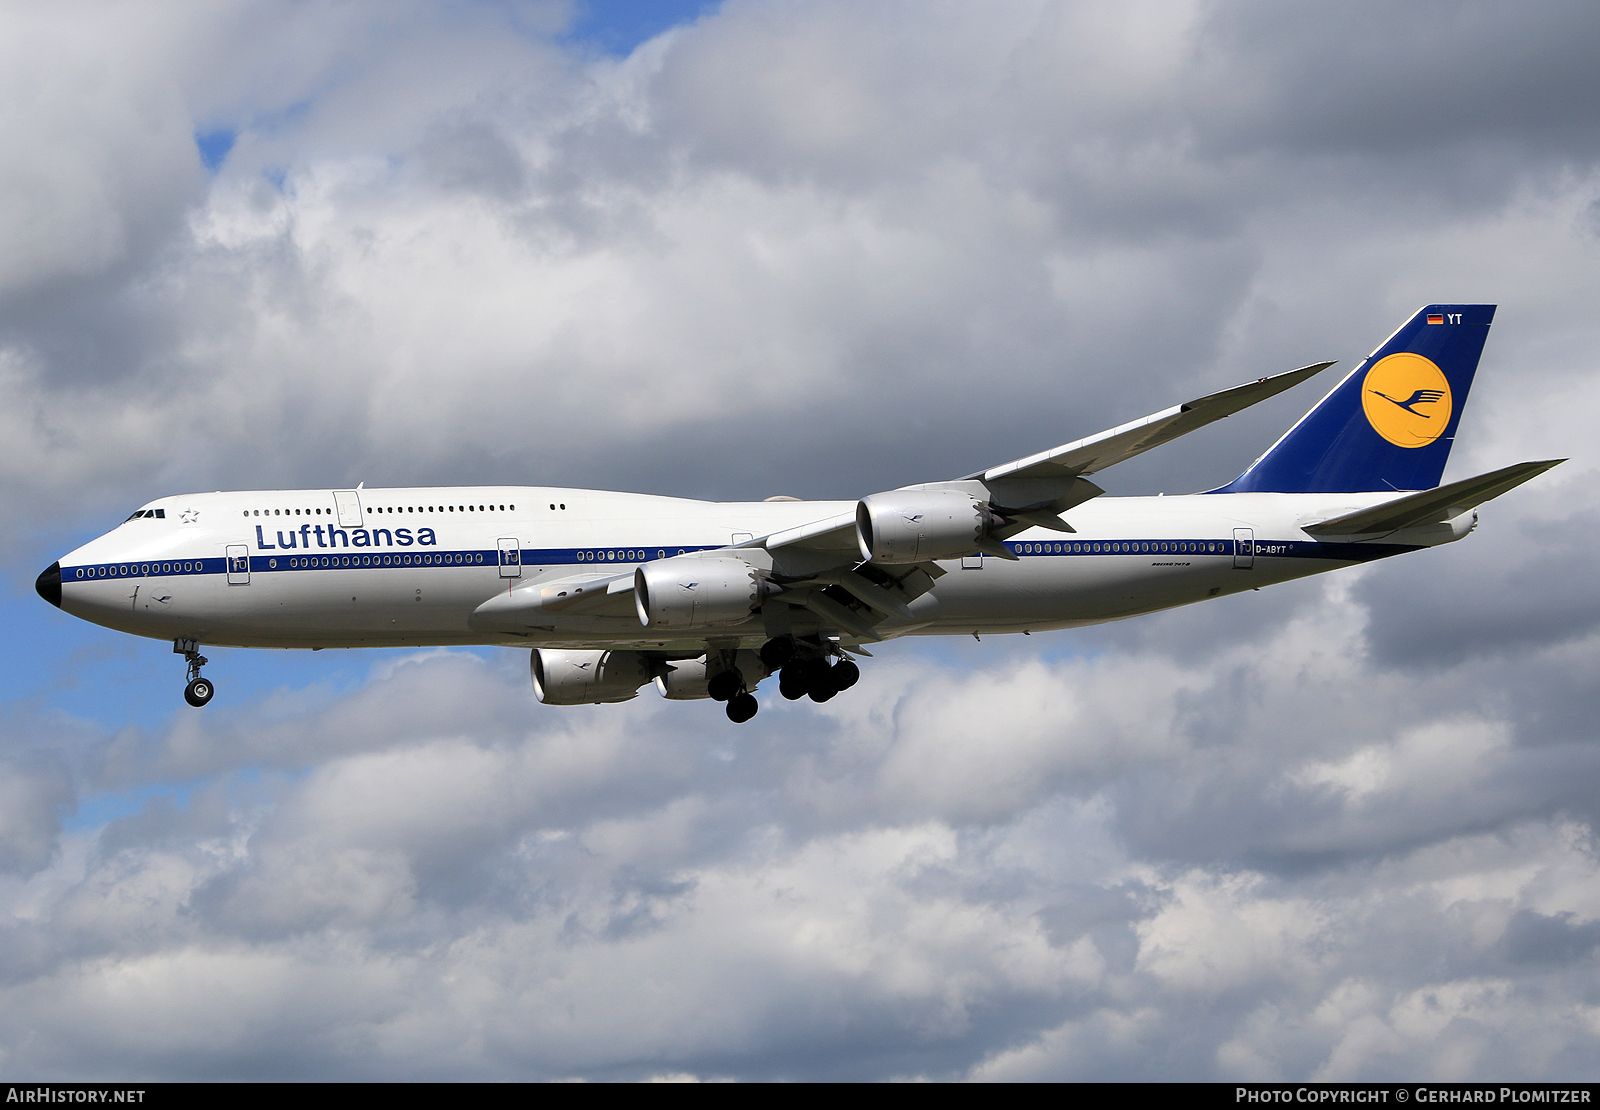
{"points": [[1390, 423]]}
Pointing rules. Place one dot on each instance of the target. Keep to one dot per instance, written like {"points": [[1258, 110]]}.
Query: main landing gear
{"points": [[199, 690], [815, 679], [729, 686], [807, 673], [803, 670]]}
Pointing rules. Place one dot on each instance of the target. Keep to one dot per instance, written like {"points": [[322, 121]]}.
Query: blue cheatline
{"points": [[1390, 423]]}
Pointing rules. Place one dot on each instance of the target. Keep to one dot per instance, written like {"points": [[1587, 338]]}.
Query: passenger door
{"points": [[510, 556], [1244, 548], [238, 564], [348, 502]]}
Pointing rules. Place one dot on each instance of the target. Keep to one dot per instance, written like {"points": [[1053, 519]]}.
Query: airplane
{"points": [[614, 591]]}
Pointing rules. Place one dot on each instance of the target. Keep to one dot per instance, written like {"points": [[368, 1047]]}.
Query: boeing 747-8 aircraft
{"points": [[613, 590]]}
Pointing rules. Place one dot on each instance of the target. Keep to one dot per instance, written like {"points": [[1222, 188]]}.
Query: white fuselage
{"points": [[407, 567]]}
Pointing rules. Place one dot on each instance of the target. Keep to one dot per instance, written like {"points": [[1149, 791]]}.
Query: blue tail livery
{"points": [[1389, 425]]}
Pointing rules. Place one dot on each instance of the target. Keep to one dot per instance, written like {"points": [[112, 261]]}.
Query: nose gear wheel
{"points": [[199, 690]]}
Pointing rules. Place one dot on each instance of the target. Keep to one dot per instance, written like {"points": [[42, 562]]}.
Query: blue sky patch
{"points": [[618, 26], [215, 146]]}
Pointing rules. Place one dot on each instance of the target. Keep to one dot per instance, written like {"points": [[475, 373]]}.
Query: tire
{"points": [[742, 707], [724, 685], [845, 675], [198, 692], [819, 682], [792, 683], [777, 652]]}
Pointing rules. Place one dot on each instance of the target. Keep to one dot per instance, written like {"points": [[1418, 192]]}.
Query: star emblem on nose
{"points": [[189, 516]]}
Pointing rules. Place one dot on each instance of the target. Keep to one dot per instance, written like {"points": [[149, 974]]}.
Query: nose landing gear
{"points": [[199, 690]]}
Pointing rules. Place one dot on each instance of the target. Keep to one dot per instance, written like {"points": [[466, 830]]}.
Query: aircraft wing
{"points": [[834, 533], [1434, 505], [820, 563], [1086, 456], [549, 599], [1064, 466]]}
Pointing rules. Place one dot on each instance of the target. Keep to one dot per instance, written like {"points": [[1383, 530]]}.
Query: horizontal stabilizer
{"points": [[1086, 456], [1434, 505]]}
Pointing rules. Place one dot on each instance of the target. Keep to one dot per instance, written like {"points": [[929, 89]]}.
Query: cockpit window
{"points": [[153, 514]]}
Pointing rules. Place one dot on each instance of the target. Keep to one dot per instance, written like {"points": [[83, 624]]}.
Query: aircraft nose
{"points": [[49, 584]]}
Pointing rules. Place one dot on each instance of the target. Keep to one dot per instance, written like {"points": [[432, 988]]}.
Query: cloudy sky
{"points": [[1345, 828]]}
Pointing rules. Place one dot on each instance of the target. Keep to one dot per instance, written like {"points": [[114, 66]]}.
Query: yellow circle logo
{"points": [[1407, 400]]}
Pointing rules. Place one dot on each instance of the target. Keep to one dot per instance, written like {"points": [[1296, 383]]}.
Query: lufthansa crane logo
{"points": [[1407, 399]]}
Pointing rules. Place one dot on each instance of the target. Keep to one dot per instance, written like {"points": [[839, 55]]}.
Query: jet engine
{"points": [[687, 679], [588, 677], [684, 680], [685, 593], [912, 526]]}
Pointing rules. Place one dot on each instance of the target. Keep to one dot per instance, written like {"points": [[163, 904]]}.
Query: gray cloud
{"points": [[35, 788]]}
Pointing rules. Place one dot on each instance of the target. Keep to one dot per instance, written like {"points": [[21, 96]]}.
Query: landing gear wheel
{"points": [[792, 682], [845, 675], [741, 707], [820, 683], [725, 685], [777, 652], [198, 692]]}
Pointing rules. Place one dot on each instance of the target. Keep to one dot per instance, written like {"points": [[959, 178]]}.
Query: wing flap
{"points": [[1432, 506]]}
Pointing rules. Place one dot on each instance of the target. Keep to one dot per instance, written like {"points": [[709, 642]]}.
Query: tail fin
{"points": [[1390, 423]]}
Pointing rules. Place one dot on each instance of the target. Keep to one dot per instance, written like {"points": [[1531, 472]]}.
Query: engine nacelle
{"points": [[588, 677], [914, 525], [686, 592], [684, 680]]}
